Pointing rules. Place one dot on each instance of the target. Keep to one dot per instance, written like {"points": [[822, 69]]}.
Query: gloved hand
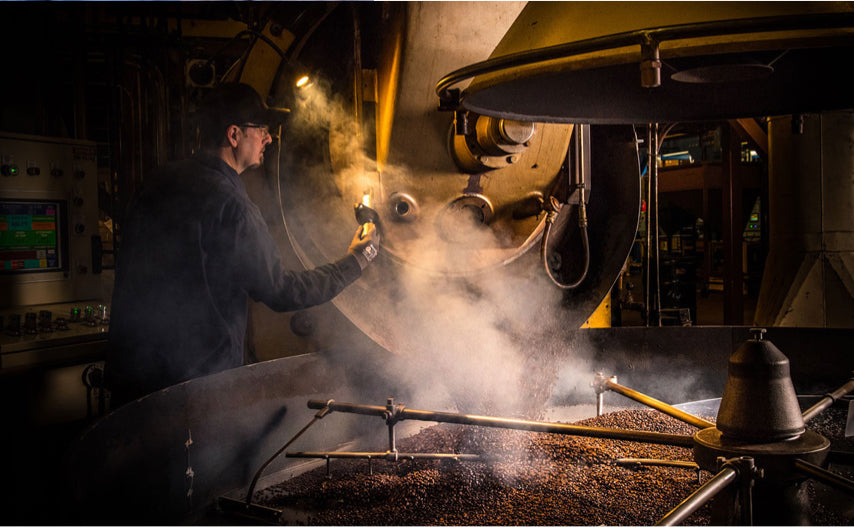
{"points": [[365, 244]]}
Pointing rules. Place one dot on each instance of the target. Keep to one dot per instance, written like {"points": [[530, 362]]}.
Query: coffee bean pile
{"points": [[527, 479], [524, 479], [830, 507]]}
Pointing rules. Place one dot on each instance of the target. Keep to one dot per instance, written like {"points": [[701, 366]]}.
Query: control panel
{"points": [[50, 335], [48, 218]]}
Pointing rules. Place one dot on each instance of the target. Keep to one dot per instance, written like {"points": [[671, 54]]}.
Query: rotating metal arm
{"points": [[701, 496], [601, 383], [828, 400], [826, 477], [734, 470], [400, 413]]}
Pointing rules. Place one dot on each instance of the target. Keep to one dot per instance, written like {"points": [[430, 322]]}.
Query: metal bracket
{"points": [[600, 385], [747, 474], [449, 100], [650, 65]]}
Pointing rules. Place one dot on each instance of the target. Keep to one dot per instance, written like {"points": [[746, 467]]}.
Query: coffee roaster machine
{"points": [[184, 454], [481, 180]]}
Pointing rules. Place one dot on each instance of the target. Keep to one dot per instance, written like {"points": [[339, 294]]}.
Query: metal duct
{"points": [[809, 273], [642, 62]]}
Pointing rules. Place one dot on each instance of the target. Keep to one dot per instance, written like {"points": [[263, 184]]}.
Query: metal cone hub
{"points": [[759, 403]]}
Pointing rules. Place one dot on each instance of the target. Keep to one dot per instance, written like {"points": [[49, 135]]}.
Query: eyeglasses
{"points": [[264, 129]]}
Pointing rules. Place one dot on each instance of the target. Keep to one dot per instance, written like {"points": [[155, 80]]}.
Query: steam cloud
{"points": [[486, 342]]}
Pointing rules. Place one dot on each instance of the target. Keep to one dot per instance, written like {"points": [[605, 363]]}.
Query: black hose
{"points": [[585, 242]]}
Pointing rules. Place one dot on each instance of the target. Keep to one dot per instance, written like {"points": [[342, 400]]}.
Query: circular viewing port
{"points": [[403, 207]]}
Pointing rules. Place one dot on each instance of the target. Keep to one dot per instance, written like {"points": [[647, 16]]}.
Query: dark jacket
{"points": [[194, 247]]}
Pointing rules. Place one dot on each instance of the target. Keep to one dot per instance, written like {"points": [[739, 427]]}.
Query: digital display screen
{"points": [[31, 236]]}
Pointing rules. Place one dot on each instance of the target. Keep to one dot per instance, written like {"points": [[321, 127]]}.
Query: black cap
{"points": [[236, 104]]}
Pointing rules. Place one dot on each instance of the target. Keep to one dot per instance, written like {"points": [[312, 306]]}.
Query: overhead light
{"points": [[304, 82]]}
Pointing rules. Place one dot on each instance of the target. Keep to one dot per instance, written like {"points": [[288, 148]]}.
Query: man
{"points": [[195, 248]]}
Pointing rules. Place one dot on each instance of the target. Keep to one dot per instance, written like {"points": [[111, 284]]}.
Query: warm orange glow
{"points": [[303, 81], [388, 79]]}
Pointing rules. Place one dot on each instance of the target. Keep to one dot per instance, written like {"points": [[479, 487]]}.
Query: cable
{"points": [[582, 224], [320, 414], [582, 219], [256, 35]]}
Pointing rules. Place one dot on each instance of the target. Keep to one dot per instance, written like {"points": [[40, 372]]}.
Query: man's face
{"points": [[250, 148]]}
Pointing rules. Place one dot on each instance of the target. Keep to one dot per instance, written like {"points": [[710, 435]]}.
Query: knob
{"points": [[14, 326], [758, 333], [33, 171], [74, 314], [9, 170], [56, 172]]}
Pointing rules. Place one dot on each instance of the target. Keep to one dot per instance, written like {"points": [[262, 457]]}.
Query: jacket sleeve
{"points": [[256, 265]]}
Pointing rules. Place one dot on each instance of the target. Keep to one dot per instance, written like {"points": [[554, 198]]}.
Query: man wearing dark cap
{"points": [[195, 248]]}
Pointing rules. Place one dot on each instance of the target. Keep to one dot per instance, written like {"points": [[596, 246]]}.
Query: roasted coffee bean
{"points": [[525, 479]]}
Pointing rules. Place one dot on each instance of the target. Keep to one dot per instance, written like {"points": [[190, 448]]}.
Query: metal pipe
{"points": [[647, 290], [507, 423], [828, 400], [390, 410], [653, 252], [826, 477], [701, 496], [599, 385], [659, 405], [656, 462], [388, 455], [840, 457]]}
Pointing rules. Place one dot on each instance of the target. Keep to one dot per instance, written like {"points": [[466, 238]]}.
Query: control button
{"points": [[75, 314], [62, 323], [56, 172], [89, 316], [79, 174], [45, 324], [9, 170], [78, 201], [79, 229], [13, 328], [33, 171], [31, 324]]}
